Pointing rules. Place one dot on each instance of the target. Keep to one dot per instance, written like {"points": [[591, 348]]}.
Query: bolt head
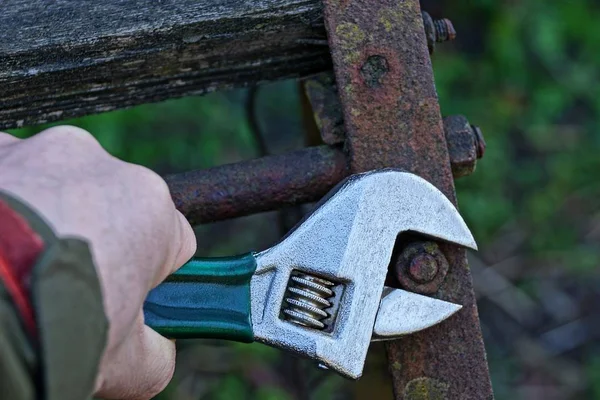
{"points": [[420, 267], [423, 268]]}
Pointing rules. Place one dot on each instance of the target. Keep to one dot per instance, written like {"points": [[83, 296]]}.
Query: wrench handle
{"points": [[206, 298]]}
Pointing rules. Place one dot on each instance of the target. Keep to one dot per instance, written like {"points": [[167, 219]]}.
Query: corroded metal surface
{"points": [[262, 184], [465, 144], [270, 183], [322, 94], [392, 119], [421, 267], [440, 30], [391, 111], [465, 141]]}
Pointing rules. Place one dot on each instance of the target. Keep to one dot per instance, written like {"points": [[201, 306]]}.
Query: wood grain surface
{"points": [[69, 58]]}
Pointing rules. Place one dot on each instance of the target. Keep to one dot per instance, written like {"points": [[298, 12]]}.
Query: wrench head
{"points": [[348, 241]]}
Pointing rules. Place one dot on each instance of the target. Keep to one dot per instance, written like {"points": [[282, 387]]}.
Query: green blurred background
{"points": [[527, 72]]}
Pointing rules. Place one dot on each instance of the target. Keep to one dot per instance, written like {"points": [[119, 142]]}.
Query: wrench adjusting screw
{"points": [[307, 300]]}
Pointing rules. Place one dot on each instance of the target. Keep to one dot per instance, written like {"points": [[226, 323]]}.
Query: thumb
{"points": [[183, 246], [139, 369], [187, 241]]}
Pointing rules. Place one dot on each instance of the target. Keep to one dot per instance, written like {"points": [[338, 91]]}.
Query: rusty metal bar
{"points": [[263, 184], [269, 183], [392, 119]]}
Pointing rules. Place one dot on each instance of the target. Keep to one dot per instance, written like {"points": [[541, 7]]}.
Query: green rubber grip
{"points": [[206, 298]]}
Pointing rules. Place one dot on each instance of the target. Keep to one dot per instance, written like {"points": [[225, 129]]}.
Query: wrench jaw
{"points": [[348, 240], [402, 313]]}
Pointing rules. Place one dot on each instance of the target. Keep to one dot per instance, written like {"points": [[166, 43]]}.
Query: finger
{"points": [[187, 241], [140, 369], [183, 247], [67, 135], [69, 131], [8, 139]]}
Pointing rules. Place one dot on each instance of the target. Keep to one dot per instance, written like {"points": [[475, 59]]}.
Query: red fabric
{"points": [[20, 247]]}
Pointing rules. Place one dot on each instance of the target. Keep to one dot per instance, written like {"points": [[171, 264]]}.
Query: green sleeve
{"points": [[71, 323], [18, 361]]}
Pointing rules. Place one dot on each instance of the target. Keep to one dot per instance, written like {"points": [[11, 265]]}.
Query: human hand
{"points": [[136, 236]]}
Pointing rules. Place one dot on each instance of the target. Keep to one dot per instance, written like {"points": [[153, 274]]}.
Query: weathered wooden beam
{"points": [[76, 57]]}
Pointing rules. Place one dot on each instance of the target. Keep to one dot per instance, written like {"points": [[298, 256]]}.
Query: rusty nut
{"points": [[421, 267], [465, 144]]}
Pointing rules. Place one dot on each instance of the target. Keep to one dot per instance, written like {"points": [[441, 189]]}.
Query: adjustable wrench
{"points": [[320, 291]]}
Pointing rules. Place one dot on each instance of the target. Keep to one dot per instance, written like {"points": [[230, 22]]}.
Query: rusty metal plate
{"points": [[392, 119]]}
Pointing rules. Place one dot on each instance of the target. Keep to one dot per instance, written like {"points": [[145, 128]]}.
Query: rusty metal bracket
{"points": [[465, 141], [392, 119]]}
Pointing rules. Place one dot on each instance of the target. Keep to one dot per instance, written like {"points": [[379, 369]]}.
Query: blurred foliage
{"points": [[194, 132], [527, 72]]}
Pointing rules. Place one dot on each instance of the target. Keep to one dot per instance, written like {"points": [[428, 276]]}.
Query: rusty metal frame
{"points": [[381, 110], [392, 119]]}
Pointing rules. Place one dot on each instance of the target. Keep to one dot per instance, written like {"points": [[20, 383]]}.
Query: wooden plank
{"points": [[69, 58]]}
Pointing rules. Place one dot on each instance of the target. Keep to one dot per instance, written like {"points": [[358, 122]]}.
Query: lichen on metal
{"points": [[426, 389]]}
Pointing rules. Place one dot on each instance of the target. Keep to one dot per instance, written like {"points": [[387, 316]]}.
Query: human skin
{"points": [[136, 236]]}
